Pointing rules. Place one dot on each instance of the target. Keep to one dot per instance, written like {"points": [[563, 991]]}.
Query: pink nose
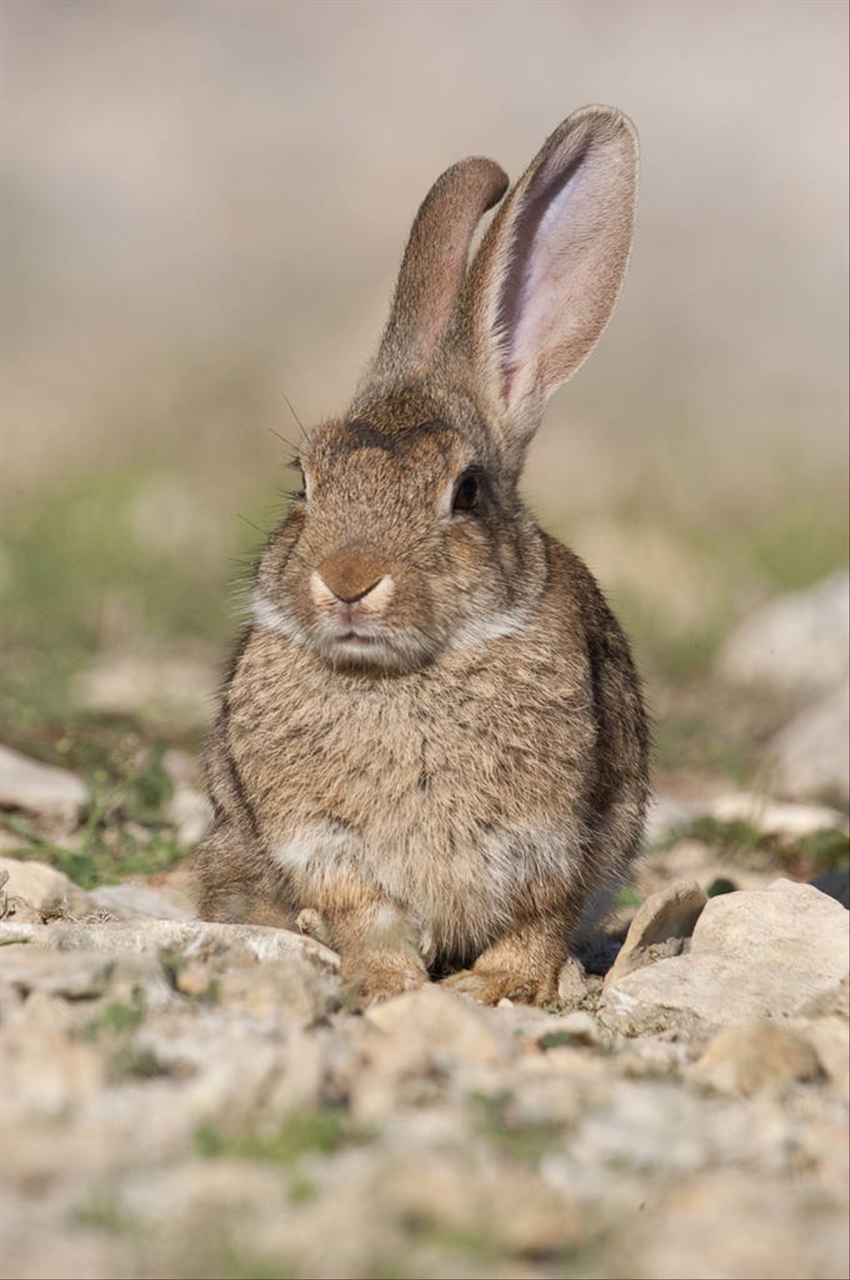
{"points": [[349, 575]]}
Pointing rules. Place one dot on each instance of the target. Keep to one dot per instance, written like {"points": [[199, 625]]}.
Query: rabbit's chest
{"points": [[450, 798]]}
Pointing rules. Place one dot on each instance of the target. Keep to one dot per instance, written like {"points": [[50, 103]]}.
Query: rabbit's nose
{"points": [[349, 576]]}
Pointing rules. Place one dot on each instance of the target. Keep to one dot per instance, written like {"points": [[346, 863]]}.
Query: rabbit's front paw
{"points": [[375, 982], [492, 985]]}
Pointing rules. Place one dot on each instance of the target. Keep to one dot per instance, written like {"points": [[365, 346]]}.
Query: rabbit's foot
{"points": [[492, 985], [377, 980], [313, 925]]}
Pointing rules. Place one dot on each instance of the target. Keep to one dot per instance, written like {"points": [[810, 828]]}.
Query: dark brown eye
{"points": [[467, 493]]}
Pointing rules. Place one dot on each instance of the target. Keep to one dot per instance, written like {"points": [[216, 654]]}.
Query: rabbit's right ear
{"points": [[432, 271], [545, 280]]}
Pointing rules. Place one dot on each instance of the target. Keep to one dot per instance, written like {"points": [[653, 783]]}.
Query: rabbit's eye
{"points": [[467, 493], [299, 494]]}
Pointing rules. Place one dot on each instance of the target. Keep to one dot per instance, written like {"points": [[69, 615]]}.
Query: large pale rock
{"points": [[834, 1002], [754, 955], [199, 938], [811, 755], [42, 889], [664, 919], [130, 901], [798, 642], [38, 788]]}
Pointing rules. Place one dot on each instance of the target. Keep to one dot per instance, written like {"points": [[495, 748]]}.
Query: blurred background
{"points": [[204, 206]]}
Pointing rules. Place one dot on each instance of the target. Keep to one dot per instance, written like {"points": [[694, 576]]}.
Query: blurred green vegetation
{"points": [[126, 831], [325, 1130], [145, 561], [737, 840], [76, 552]]}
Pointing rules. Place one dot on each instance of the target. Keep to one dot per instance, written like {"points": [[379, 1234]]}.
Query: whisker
{"points": [[250, 523], [295, 415], [290, 444]]}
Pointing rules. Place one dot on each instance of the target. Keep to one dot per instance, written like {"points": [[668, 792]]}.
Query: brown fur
{"points": [[432, 749]]}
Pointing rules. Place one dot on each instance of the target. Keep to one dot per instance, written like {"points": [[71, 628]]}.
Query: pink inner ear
{"points": [[568, 250]]}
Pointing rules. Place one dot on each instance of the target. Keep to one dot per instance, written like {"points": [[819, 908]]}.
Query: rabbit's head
{"points": [[409, 539]]}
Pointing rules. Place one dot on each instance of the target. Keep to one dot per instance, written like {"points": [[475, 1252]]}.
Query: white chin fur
{"points": [[379, 652]]}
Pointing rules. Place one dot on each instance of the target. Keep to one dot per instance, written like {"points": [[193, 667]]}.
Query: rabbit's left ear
{"points": [[433, 271], [545, 280]]}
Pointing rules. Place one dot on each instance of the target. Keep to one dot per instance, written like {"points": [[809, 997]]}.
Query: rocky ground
{"points": [[196, 1100]]}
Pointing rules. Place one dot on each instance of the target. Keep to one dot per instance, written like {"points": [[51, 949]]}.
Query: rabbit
{"points": [[432, 750]]}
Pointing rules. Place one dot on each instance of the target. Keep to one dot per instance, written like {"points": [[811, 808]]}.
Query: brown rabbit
{"points": [[432, 746]]}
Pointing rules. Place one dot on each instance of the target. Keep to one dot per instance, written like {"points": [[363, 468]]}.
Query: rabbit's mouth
{"points": [[357, 645], [341, 640], [387, 650]]}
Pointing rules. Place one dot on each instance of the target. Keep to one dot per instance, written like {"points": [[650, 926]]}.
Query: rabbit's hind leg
{"points": [[230, 886]]}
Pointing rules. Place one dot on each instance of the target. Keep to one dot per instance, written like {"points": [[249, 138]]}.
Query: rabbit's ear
{"points": [[545, 280], [433, 270]]}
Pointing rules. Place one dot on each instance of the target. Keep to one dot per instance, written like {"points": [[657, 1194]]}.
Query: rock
{"points": [[572, 983], [520, 1217], [776, 817], [12, 844], [81, 975], [191, 937], [836, 884], [811, 755], [129, 901], [191, 814], [731, 1222], [754, 954], [166, 688], [55, 794], [289, 991], [834, 1002], [664, 918], [753, 1057], [45, 1072], [577, 1026], [449, 1026], [42, 889], [664, 815], [830, 1040], [195, 980], [425, 1035], [181, 767], [798, 642]]}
